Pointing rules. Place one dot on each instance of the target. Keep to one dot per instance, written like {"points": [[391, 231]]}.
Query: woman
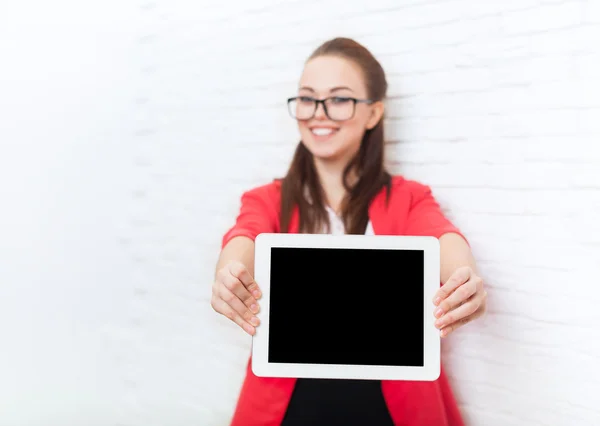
{"points": [[337, 183]]}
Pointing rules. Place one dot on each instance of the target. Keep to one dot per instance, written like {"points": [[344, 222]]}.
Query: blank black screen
{"points": [[346, 306]]}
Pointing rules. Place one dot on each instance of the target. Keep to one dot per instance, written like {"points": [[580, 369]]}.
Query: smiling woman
{"points": [[335, 108], [328, 120], [337, 183]]}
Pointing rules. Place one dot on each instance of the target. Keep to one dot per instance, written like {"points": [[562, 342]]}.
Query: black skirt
{"points": [[325, 402]]}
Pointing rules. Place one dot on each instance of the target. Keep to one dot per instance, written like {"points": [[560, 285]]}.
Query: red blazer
{"points": [[412, 210]]}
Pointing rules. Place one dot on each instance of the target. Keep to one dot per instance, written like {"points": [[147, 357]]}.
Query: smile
{"points": [[322, 131]]}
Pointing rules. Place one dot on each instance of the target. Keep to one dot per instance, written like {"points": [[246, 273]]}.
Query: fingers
{"points": [[238, 306], [445, 332], [459, 277], [457, 324], [458, 314], [226, 310], [232, 296], [459, 296], [235, 286], [463, 314], [239, 271]]}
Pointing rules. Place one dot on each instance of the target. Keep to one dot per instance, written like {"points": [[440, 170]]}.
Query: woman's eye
{"points": [[306, 99], [340, 100]]}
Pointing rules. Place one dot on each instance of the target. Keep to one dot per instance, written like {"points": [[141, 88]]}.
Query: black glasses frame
{"points": [[322, 102]]}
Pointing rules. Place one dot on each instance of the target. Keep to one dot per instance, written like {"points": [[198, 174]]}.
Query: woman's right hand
{"points": [[235, 295]]}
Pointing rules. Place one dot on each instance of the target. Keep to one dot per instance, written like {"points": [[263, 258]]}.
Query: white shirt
{"points": [[337, 225]]}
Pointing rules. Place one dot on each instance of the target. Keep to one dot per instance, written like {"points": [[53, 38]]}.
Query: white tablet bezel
{"points": [[428, 372]]}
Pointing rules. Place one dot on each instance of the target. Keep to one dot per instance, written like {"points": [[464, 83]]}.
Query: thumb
{"points": [[240, 271]]}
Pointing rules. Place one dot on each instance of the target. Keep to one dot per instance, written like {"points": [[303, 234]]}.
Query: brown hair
{"points": [[368, 163]]}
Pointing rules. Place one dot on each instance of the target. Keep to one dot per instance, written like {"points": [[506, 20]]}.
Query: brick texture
{"points": [[179, 106], [494, 104]]}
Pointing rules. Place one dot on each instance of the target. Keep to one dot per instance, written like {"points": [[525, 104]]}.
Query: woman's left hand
{"points": [[459, 301]]}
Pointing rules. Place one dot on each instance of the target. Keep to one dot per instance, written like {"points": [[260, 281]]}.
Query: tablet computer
{"points": [[347, 307]]}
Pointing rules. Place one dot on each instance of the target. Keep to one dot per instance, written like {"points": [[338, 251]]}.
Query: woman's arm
{"points": [[238, 249], [235, 294], [454, 253], [462, 297]]}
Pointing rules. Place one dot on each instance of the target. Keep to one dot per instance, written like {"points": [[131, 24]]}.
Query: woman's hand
{"points": [[460, 300], [235, 295]]}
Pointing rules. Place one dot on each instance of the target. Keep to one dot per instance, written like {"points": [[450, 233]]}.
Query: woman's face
{"points": [[336, 138]]}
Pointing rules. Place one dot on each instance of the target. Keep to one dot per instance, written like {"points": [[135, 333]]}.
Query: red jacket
{"points": [[412, 210]]}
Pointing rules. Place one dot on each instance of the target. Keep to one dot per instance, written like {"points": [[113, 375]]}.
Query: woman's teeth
{"points": [[322, 131]]}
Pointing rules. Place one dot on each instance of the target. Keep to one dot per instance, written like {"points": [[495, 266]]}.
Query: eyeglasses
{"points": [[336, 108]]}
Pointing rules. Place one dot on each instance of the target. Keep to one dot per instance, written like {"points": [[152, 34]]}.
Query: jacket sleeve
{"points": [[257, 214], [425, 217]]}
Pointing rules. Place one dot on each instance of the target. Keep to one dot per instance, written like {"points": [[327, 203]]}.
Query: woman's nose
{"points": [[320, 112]]}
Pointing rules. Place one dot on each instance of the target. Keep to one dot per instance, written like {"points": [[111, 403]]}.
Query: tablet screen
{"points": [[346, 306]]}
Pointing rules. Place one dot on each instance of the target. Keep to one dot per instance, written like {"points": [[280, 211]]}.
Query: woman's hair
{"points": [[368, 163]]}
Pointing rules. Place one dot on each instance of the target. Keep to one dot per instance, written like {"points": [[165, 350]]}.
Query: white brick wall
{"points": [[179, 107]]}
